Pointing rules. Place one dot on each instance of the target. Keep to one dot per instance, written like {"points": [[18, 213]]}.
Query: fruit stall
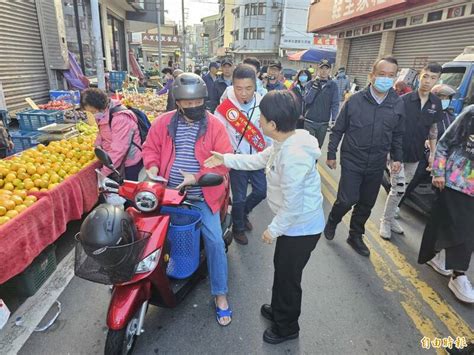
{"points": [[44, 186]]}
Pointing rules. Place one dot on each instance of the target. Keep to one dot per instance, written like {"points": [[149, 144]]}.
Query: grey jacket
{"points": [[370, 131]]}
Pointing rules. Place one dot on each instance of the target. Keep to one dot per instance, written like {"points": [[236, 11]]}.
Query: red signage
{"points": [[166, 40], [325, 41], [330, 12]]}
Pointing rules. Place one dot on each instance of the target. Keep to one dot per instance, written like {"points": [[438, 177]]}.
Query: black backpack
{"points": [[142, 121]]}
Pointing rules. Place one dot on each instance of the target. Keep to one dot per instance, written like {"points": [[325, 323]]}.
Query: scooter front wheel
{"points": [[121, 342]]}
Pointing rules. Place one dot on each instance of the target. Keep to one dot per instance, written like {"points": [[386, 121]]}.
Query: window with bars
{"points": [[261, 8], [261, 33], [246, 33], [247, 10], [254, 8]]}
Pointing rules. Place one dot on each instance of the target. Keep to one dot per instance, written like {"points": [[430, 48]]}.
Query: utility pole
{"points": [[97, 41], [184, 36], [158, 15]]}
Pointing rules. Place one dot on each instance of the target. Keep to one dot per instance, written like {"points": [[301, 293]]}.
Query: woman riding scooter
{"points": [[177, 145]]}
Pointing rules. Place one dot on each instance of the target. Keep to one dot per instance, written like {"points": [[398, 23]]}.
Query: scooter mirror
{"points": [[210, 180], [104, 158]]}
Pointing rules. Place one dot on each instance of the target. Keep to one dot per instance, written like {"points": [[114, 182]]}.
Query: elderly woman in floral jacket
{"points": [[6, 143], [451, 224]]}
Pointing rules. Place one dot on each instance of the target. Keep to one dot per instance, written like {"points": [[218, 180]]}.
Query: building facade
{"points": [[270, 29], [414, 32], [226, 25], [36, 35], [210, 37]]}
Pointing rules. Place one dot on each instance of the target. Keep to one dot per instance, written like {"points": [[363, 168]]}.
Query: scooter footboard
{"points": [[126, 301]]}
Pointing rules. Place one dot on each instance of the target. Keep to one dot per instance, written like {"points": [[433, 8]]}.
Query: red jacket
{"points": [[159, 151]]}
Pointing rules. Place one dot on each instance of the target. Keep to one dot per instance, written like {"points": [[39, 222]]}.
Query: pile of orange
{"points": [[40, 169], [13, 203]]}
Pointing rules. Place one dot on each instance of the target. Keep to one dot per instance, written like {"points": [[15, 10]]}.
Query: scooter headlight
{"points": [[149, 263], [146, 201]]}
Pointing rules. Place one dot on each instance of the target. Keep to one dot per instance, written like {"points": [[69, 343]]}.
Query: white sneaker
{"points": [[385, 230], [397, 228], [462, 288], [438, 263]]}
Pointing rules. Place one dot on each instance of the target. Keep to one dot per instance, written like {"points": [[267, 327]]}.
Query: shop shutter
{"points": [[363, 52], [438, 43], [22, 68], [50, 14]]}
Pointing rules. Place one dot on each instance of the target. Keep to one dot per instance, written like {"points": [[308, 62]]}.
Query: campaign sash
{"points": [[242, 124]]}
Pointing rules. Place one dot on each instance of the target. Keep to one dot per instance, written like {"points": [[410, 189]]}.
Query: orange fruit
{"points": [[33, 189], [8, 204], [9, 186], [41, 147], [5, 192], [21, 208], [38, 182], [31, 169], [22, 176], [28, 203], [32, 198], [12, 214], [21, 193], [43, 189], [17, 199], [41, 170], [3, 210], [4, 219], [16, 182], [1, 182], [21, 170], [10, 177], [29, 184]]}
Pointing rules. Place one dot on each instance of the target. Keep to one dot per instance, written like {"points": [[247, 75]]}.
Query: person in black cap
{"points": [[274, 70], [222, 83], [322, 102], [209, 79]]}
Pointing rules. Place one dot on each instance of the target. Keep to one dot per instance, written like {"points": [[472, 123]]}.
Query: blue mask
{"points": [[383, 84], [303, 78], [445, 103]]}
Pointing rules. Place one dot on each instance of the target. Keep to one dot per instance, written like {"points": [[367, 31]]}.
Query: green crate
{"points": [[29, 281]]}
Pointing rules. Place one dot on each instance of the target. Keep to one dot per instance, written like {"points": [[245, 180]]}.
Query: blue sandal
{"points": [[221, 313]]}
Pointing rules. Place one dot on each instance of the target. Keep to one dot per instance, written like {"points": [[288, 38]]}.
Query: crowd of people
{"points": [[246, 123]]}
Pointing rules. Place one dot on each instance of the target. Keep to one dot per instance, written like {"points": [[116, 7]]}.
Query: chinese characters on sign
{"points": [[445, 343], [166, 40], [325, 41], [349, 8]]}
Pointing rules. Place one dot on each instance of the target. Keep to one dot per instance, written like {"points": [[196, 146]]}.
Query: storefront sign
{"points": [[325, 41], [330, 12], [166, 40]]}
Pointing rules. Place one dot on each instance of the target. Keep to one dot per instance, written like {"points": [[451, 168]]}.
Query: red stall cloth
{"points": [[26, 236]]}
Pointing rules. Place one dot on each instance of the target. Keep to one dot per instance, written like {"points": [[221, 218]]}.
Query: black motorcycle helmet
{"points": [[104, 234]]}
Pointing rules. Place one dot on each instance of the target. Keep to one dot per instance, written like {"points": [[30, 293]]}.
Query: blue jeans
{"points": [[242, 204], [215, 248]]}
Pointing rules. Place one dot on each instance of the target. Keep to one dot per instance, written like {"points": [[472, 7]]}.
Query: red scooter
{"points": [[145, 277]]}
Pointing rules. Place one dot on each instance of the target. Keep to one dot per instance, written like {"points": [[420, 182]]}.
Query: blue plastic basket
{"points": [[117, 76], [116, 85], [24, 140], [184, 234], [31, 120]]}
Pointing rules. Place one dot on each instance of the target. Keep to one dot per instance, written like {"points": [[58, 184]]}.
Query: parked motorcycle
{"points": [[151, 253]]}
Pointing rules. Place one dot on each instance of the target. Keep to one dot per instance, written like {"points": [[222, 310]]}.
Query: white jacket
{"points": [[244, 147], [293, 183]]}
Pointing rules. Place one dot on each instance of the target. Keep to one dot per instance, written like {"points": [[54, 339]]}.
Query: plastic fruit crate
{"points": [[31, 120], [117, 76], [24, 140], [29, 281]]}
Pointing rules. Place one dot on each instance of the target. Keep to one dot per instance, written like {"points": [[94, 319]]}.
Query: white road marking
{"points": [[33, 310]]}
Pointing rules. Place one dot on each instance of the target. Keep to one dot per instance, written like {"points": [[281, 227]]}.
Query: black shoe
{"points": [[266, 312], [240, 238], [358, 245], [330, 230], [271, 337]]}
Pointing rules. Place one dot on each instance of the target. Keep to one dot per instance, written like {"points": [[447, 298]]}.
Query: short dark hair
{"points": [[281, 107], [197, 71], [253, 62], [167, 71], [433, 67], [389, 59], [304, 71], [95, 98], [244, 71]]}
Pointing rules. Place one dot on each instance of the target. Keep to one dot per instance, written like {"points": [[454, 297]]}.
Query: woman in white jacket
{"points": [[294, 195]]}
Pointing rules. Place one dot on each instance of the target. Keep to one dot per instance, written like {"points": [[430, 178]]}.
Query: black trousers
{"points": [[291, 256], [358, 189]]}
